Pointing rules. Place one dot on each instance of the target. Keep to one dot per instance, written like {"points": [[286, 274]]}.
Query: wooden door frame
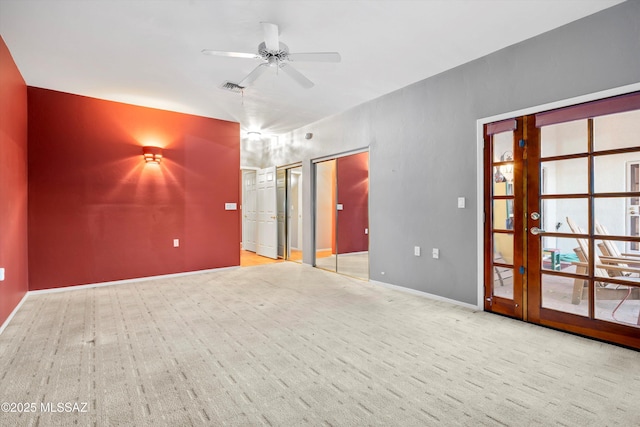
{"points": [[480, 192], [516, 306], [591, 327]]}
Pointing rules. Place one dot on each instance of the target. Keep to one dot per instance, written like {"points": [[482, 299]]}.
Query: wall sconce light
{"points": [[152, 154]]}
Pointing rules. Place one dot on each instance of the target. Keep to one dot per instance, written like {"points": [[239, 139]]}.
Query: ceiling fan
{"points": [[273, 53]]}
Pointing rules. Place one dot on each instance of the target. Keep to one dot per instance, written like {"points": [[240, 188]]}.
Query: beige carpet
{"points": [[288, 345]]}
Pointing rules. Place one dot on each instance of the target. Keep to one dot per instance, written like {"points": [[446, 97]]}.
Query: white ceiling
{"points": [[148, 52]]}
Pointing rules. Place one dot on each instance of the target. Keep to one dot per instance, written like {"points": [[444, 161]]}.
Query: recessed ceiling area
{"points": [[148, 52]]}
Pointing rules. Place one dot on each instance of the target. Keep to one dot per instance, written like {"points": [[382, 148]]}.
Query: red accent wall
{"points": [[353, 193], [98, 212], [13, 184]]}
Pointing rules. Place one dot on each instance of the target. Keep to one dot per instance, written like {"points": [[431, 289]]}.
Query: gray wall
{"points": [[423, 144]]}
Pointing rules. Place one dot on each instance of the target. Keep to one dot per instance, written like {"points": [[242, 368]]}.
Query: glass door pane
{"points": [[352, 233], [294, 214], [325, 215], [281, 193]]}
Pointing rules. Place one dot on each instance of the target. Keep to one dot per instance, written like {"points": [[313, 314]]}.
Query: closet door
{"points": [[267, 244], [325, 215], [352, 215]]}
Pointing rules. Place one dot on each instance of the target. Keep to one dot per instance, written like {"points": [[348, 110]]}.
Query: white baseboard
{"points": [[124, 281], [425, 295], [13, 313]]}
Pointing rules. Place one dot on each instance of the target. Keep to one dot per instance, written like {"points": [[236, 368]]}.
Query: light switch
{"points": [[176, 243], [436, 253], [230, 206], [416, 250], [366, 231], [1, 274], [339, 206], [461, 202]]}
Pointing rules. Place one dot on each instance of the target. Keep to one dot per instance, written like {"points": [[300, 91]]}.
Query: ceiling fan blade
{"points": [[271, 38], [315, 57], [230, 54], [297, 76], [257, 72]]}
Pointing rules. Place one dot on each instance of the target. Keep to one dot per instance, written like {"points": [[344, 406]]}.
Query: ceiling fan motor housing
{"points": [[271, 56]]}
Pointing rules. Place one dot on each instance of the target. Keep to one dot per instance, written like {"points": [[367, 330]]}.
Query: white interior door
{"points": [[267, 244], [249, 210]]}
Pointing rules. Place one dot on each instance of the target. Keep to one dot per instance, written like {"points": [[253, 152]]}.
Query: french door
{"points": [[557, 229]]}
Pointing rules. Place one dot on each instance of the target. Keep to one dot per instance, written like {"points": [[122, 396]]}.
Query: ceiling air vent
{"points": [[232, 87]]}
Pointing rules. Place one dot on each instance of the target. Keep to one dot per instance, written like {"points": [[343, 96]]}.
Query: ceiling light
{"points": [[254, 135]]}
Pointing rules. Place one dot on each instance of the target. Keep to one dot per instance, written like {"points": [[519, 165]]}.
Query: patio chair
{"points": [[604, 267], [611, 253]]}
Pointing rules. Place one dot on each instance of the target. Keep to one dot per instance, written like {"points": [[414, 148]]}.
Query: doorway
{"points": [[272, 215], [290, 213], [259, 221], [342, 215], [559, 194], [293, 235]]}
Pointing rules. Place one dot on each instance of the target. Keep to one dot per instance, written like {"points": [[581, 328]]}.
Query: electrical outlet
{"points": [[436, 253], [461, 202], [416, 250], [1, 274], [176, 243]]}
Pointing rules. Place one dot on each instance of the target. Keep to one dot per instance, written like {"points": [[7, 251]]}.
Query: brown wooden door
{"points": [[568, 190], [504, 244]]}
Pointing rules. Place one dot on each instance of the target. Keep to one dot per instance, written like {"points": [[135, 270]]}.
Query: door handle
{"points": [[535, 231]]}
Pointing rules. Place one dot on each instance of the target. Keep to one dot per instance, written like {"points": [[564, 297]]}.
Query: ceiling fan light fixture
{"points": [[273, 53], [254, 135]]}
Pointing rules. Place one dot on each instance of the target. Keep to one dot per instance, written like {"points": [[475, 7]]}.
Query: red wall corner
{"points": [[98, 213], [13, 184]]}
